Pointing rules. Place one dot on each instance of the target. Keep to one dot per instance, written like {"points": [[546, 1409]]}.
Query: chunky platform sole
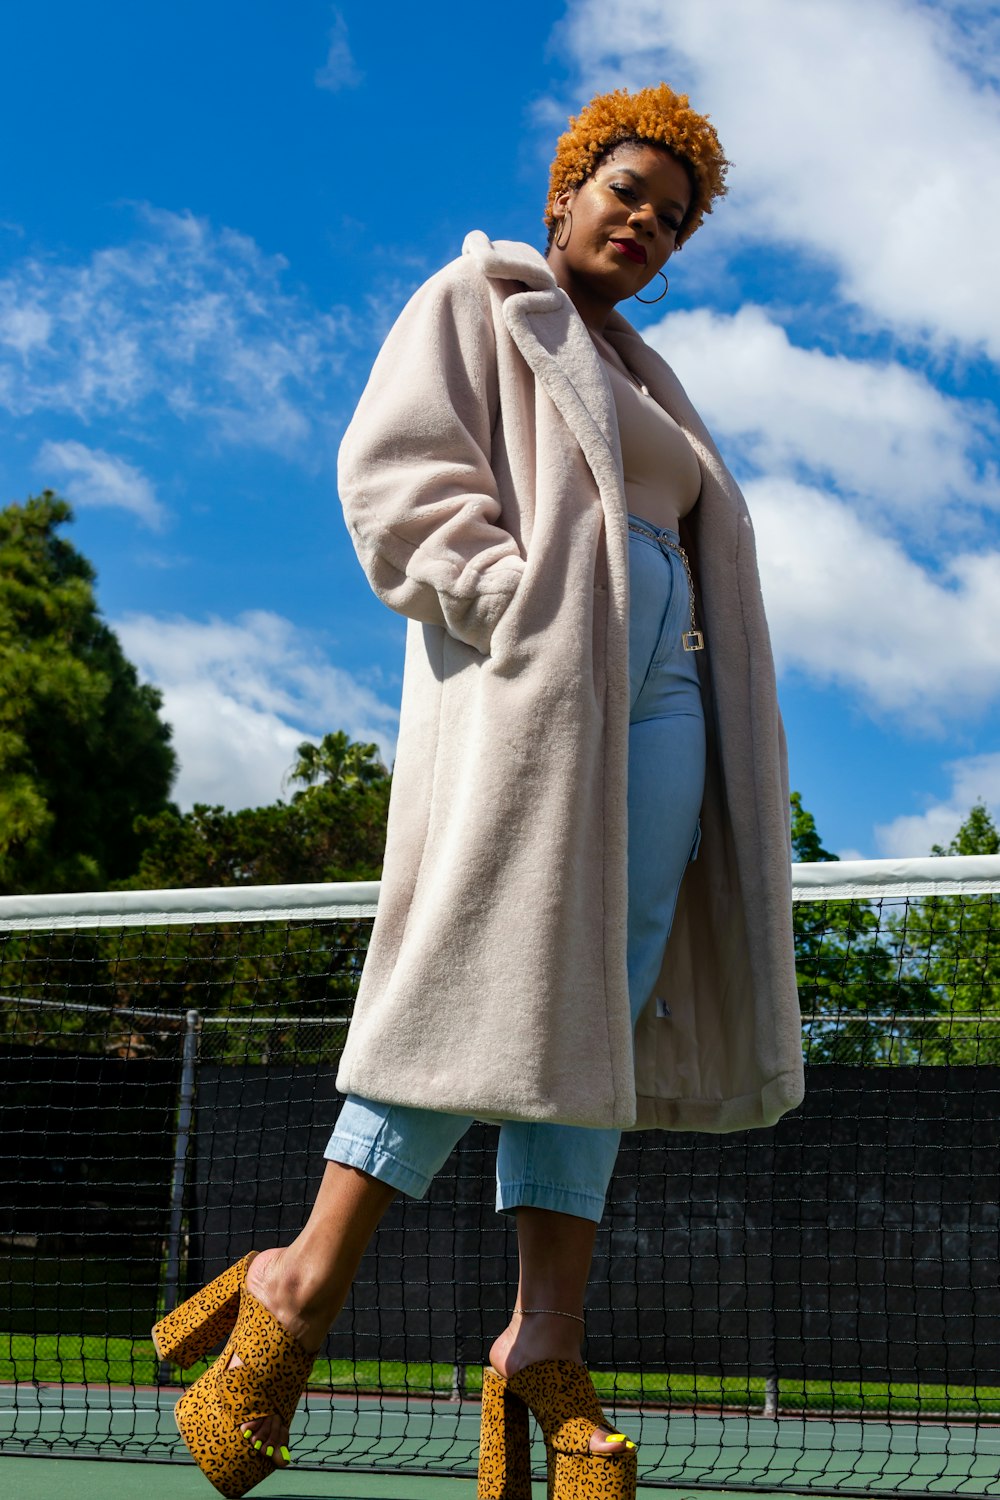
{"points": [[188, 1333], [216, 1443], [562, 1398], [592, 1476]]}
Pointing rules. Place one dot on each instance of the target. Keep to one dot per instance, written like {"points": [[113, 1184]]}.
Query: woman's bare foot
{"points": [[526, 1340]]}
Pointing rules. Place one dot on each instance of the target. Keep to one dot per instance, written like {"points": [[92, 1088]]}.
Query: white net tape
{"points": [[844, 880]]}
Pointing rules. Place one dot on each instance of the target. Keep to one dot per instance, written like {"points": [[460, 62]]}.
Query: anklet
{"points": [[553, 1312]]}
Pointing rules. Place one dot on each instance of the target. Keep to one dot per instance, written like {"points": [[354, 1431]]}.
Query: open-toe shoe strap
{"points": [[274, 1367], [562, 1397], [251, 1396], [263, 1389], [246, 1402]]}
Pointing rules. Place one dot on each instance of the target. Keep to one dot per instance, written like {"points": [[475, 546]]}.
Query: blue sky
{"points": [[210, 214]]}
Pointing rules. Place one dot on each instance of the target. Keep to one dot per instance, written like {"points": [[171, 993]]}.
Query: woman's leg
{"points": [[375, 1151], [555, 1177], [568, 1167], [555, 1251]]}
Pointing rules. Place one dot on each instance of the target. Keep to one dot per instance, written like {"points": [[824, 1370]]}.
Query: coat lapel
{"points": [[552, 337], [558, 350]]}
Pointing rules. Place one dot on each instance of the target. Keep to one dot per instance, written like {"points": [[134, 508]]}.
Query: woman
{"points": [[526, 481]]}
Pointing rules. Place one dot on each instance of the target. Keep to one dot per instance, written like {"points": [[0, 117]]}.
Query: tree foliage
{"points": [[332, 829], [951, 945], [891, 983], [83, 750], [265, 989], [337, 762], [849, 968]]}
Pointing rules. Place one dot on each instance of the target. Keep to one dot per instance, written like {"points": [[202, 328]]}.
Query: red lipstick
{"points": [[630, 249]]}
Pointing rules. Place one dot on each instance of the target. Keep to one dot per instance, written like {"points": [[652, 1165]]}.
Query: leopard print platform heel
{"points": [[212, 1413], [592, 1476], [562, 1398], [504, 1444], [187, 1334]]}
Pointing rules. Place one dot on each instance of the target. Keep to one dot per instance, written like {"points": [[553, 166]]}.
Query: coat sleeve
{"points": [[418, 492]]}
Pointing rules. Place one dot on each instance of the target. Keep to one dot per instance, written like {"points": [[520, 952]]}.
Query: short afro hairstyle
{"points": [[649, 117]]}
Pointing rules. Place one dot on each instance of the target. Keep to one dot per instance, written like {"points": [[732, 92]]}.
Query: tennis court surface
{"points": [[405, 1447]]}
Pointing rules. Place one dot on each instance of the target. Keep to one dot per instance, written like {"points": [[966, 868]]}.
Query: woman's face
{"points": [[623, 228]]}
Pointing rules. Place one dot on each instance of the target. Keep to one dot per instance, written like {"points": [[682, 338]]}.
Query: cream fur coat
{"points": [[481, 479]]}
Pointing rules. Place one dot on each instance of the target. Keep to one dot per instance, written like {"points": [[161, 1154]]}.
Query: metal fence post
{"points": [[182, 1138]]}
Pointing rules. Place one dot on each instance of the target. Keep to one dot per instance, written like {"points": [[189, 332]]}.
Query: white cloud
{"points": [[24, 328], [975, 779], [871, 428], [848, 606], [185, 318], [241, 695], [340, 71], [864, 133], [92, 477]]}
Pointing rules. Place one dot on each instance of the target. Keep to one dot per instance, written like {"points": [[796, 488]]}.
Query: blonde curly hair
{"points": [[649, 117]]}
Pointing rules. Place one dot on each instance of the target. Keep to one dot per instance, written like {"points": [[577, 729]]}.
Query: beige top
{"points": [[662, 474]]}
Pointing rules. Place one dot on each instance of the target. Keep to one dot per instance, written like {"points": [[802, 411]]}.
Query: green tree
{"points": [[951, 946], [337, 762], [807, 847], [977, 835], [275, 984], [83, 750], [332, 829], [849, 971]]}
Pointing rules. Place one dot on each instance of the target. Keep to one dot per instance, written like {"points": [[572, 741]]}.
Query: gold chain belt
{"points": [[691, 640]]}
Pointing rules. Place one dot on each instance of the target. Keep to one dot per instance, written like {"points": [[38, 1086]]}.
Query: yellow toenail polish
{"points": [[269, 1452], [247, 1434], [286, 1455], [628, 1444], [615, 1437], [258, 1443]]}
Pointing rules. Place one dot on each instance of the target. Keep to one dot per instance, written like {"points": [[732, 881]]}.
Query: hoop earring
{"points": [[650, 300], [557, 243]]}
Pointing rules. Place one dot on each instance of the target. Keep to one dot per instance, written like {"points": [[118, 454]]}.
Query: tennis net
{"points": [[813, 1306]]}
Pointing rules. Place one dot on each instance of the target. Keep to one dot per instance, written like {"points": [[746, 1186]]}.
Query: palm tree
{"points": [[337, 761]]}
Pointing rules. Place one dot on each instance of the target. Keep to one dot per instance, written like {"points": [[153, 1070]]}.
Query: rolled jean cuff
{"points": [[561, 1200], [378, 1163]]}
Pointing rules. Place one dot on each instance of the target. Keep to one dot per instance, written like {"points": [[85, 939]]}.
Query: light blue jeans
{"points": [[568, 1167]]}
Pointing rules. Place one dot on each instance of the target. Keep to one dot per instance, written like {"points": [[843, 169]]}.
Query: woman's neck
{"points": [[594, 309]]}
